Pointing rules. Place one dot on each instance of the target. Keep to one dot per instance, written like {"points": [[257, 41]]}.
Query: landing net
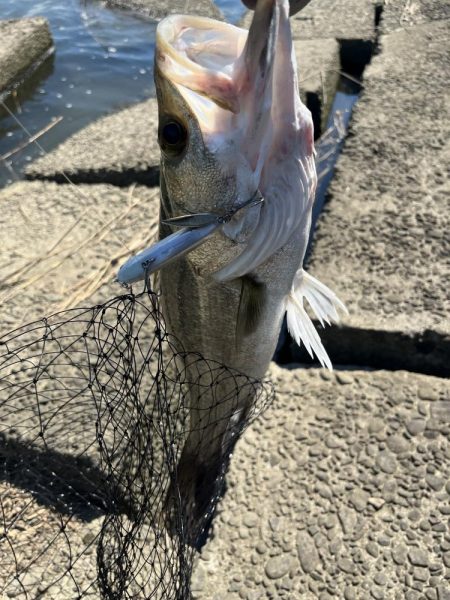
{"points": [[95, 411]]}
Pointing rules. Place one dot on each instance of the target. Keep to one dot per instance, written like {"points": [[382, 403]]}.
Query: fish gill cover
{"points": [[94, 413]]}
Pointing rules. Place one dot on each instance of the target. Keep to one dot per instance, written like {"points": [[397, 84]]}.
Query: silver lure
{"points": [[195, 229]]}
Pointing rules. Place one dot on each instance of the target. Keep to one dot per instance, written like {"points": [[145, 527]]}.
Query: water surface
{"points": [[103, 61]]}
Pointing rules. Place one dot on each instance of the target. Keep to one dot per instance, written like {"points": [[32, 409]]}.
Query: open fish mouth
{"points": [[200, 54]]}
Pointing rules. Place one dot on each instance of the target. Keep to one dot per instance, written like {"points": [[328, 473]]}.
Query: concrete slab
{"points": [[63, 244], [158, 10], [23, 45], [340, 19], [340, 490], [402, 14], [383, 242], [319, 66], [120, 149]]}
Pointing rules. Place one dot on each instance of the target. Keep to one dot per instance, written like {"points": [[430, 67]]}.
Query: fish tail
{"points": [[199, 477], [190, 499], [325, 305]]}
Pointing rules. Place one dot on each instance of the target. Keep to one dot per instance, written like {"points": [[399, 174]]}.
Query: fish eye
{"points": [[172, 137]]}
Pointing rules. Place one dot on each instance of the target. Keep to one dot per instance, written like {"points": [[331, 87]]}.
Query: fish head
{"points": [[196, 174], [217, 85], [205, 74]]}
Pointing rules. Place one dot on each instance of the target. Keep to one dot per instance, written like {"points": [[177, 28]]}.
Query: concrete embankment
{"points": [[23, 45], [383, 242]]}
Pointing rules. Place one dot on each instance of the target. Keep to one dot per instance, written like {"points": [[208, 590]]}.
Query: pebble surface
{"points": [[339, 493]]}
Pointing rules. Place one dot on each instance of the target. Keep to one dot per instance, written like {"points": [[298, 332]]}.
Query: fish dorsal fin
{"points": [[325, 305]]}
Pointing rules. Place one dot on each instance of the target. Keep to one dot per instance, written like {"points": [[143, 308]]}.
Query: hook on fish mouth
{"points": [[194, 229]]}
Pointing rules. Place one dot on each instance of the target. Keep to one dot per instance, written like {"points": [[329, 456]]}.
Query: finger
{"points": [[296, 5]]}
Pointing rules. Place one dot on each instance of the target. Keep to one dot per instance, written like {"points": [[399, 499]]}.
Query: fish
{"points": [[237, 179]]}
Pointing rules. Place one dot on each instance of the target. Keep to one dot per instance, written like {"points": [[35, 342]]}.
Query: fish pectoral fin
{"points": [[251, 304], [325, 305]]}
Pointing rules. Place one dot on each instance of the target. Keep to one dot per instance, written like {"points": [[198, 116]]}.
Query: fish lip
{"points": [[250, 55]]}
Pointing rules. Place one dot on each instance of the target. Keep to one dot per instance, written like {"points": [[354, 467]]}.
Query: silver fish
{"points": [[232, 127]]}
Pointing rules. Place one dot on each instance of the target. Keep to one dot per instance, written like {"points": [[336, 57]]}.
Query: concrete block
{"points": [[383, 243], [23, 45], [319, 66], [402, 14], [340, 19], [155, 9], [120, 149]]}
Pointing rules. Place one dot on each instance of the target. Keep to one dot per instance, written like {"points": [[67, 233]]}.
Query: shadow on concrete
{"points": [[70, 485]]}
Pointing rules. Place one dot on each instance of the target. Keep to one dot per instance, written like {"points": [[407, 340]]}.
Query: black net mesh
{"points": [[98, 438]]}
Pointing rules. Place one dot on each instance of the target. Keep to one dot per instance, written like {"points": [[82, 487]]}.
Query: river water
{"points": [[103, 61]]}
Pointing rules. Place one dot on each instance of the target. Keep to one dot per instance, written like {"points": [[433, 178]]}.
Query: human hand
{"points": [[296, 5]]}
